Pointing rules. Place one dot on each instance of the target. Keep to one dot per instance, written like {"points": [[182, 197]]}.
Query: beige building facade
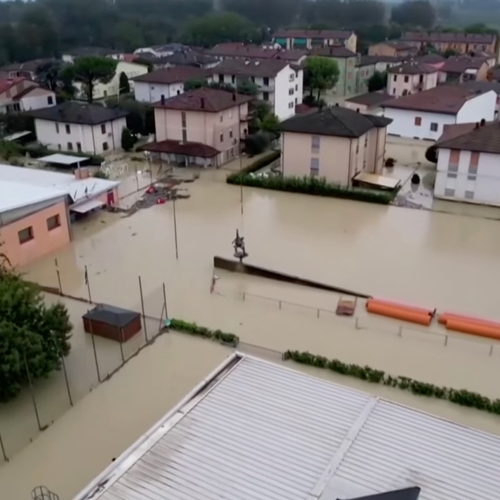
{"points": [[411, 78]]}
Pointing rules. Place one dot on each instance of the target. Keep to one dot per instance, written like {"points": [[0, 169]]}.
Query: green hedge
{"points": [[312, 185], [201, 331], [461, 397], [39, 151], [253, 167]]}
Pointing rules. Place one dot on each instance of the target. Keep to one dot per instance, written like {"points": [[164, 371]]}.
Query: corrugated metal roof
{"points": [[260, 431]]}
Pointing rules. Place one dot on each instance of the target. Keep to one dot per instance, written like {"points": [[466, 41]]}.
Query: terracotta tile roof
{"points": [[255, 67], [290, 54], [335, 121], [367, 60], [189, 58], [396, 44], [325, 34], [196, 149], [249, 51], [445, 99], [483, 38], [430, 59], [371, 99], [462, 63], [482, 139], [7, 83], [333, 51], [172, 75], [301, 109], [209, 100], [455, 130], [412, 68]]}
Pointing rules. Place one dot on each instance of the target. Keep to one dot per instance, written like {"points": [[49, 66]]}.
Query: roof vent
{"points": [[257, 63], [483, 122], [477, 125], [247, 62]]}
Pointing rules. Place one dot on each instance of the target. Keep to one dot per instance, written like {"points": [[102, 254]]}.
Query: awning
{"points": [[377, 180], [83, 208], [61, 159]]}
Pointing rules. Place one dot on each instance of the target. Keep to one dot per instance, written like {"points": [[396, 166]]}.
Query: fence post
{"points": [[400, 332], [491, 349], [95, 351], [356, 323], [66, 380], [32, 392], [121, 345], [143, 312], [446, 340], [3, 449], [318, 313]]}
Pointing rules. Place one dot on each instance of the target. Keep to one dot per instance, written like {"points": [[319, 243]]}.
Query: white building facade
{"points": [[152, 92]]}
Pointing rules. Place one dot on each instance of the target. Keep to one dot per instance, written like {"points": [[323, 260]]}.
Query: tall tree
{"points": [[90, 71], [47, 74], [323, 74], [378, 81], [415, 13], [124, 84]]}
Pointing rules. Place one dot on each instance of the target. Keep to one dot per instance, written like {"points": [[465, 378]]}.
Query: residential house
{"points": [[464, 68], [202, 127], [369, 103], [292, 56], [242, 51], [334, 143], [112, 88], [21, 94], [485, 87], [73, 126], [36, 207], [365, 69], [392, 48], [468, 164], [423, 115], [307, 39], [410, 78], [279, 83], [26, 69], [191, 58], [161, 50], [70, 56], [166, 82], [463, 43], [381, 63], [346, 61]]}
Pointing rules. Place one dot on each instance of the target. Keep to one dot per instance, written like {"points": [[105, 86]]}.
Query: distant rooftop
{"points": [[433, 36], [480, 137], [253, 67], [371, 99], [339, 51], [261, 431], [412, 68], [318, 34], [172, 75]]}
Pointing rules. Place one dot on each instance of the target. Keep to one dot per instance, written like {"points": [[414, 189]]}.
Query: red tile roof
{"points": [[209, 100], [248, 51], [7, 83], [412, 68], [483, 138], [325, 34], [290, 54], [333, 51], [483, 38], [196, 149], [462, 63], [445, 99], [172, 75], [254, 67]]}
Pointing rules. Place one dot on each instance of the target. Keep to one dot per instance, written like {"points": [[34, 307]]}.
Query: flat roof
{"points": [[377, 180], [67, 184], [254, 430], [15, 195], [61, 159]]}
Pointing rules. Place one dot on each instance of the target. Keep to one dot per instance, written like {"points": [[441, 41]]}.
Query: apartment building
{"points": [[410, 78], [307, 39], [464, 43]]}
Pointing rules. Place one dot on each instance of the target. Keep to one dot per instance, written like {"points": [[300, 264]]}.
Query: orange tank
{"points": [[480, 329], [405, 314]]}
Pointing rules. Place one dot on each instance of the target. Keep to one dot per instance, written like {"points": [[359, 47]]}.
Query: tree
{"points": [[149, 121], [414, 13], [90, 71], [33, 336], [127, 140], [246, 87], [48, 73], [450, 53], [378, 81], [323, 74], [124, 84]]}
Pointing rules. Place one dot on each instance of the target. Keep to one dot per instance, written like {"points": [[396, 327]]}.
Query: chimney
{"points": [[162, 99], [202, 103], [483, 122], [477, 125]]}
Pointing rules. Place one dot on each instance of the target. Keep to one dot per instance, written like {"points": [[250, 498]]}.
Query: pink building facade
{"points": [[411, 78]]}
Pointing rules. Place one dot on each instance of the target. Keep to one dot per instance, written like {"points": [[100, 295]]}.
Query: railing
{"points": [[261, 352]]}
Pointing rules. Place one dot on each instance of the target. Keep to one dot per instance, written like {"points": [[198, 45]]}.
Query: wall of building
{"points": [[91, 138], [285, 82], [152, 92], [44, 242], [400, 84], [481, 106], [464, 184], [37, 99]]}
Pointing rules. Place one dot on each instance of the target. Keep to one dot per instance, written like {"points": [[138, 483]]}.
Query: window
{"points": [[183, 119], [26, 235], [454, 160], [474, 161], [452, 176], [59, 147], [105, 146], [221, 78], [57, 128], [184, 135], [230, 134], [290, 91], [469, 195], [421, 78], [434, 127], [252, 79], [418, 121], [266, 81], [314, 167], [265, 96], [53, 222], [292, 77], [103, 128], [291, 105], [222, 138], [449, 192], [68, 129], [233, 79], [471, 177], [297, 88], [406, 79], [296, 101], [395, 78], [50, 100], [315, 142], [70, 146], [78, 147]]}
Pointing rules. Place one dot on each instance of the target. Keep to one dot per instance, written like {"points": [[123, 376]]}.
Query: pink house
{"points": [[410, 78], [202, 127]]}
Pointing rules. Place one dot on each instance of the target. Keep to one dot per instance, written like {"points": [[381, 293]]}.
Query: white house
{"points": [[280, 83], [161, 50], [20, 94], [73, 126], [71, 55], [166, 83], [112, 88], [468, 164], [423, 115]]}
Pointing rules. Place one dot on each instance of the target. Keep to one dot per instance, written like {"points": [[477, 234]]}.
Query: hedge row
{"points": [[461, 397], [201, 331], [312, 185], [39, 151], [256, 165]]}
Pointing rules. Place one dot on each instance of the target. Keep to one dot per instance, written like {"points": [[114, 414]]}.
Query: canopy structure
{"points": [[60, 159], [379, 181], [16, 136], [83, 208]]}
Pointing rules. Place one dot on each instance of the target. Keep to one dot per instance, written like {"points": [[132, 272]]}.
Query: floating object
{"points": [[151, 190], [415, 179], [346, 306], [112, 322], [406, 306], [483, 329], [444, 317], [400, 311], [160, 201]]}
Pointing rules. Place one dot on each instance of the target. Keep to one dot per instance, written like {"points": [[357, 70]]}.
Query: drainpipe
{"points": [[349, 168], [93, 138], [113, 133], [376, 152], [283, 154]]}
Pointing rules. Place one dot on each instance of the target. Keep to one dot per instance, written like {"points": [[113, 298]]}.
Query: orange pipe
{"points": [[398, 313], [445, 317], [482, 330], [405, 306]]}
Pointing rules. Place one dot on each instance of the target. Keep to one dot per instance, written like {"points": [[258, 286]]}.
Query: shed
{"points": [[112, 322]]}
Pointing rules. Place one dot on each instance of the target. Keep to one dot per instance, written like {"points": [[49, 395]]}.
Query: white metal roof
{"points": [[61, 159], [258, 431], [86, 206], [14, 195], [77, 189]]}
